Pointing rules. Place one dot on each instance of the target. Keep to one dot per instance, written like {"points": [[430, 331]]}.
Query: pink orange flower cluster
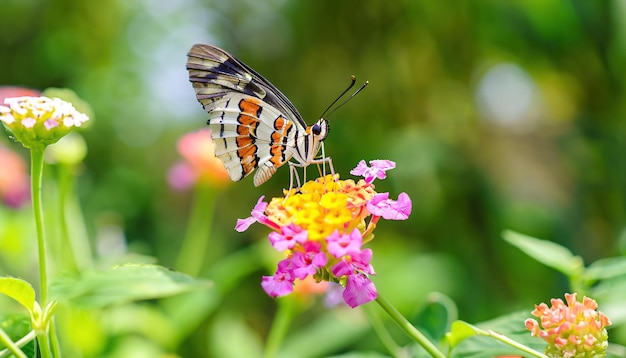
{"points": [[200, 164], [572, 329], [322, 227]]}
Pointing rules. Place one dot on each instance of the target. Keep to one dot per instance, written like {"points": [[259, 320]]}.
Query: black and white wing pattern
{"points": [[253, 125]]}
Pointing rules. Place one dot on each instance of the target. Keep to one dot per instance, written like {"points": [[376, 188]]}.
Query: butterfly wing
{"points": [[252, 123]]}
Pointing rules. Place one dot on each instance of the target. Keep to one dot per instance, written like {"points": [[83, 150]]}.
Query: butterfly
{"points": [[253, 125]]}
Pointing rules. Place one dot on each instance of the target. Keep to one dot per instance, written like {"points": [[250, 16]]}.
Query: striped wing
{"points": [[252, 123]]}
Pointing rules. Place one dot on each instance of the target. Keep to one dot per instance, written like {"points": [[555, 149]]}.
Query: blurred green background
{"points": [[499, 115]]}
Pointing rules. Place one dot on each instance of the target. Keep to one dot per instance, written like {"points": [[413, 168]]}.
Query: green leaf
{"points": [[473, 340], [459, 332], [606, 268], [546, 252], [17, 326], [122, 284], [435, 316], [19, 290]]}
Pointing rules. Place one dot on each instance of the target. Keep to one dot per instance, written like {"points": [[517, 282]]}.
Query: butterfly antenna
{"points": [[349, 98], [352, 81]]}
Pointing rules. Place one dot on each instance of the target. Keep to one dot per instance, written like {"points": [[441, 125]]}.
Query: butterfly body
{"points": [[253, 125]]}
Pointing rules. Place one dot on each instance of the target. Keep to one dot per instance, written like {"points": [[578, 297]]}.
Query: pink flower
{"points": [[355, 263], [281, 283], [389, 209], [258, 215], [288, 237], [181, 176], [359, 290], [376, 171], [200, 163], [308, 262], [11, 91], [342, 244], [14, 180], [334, 295]]}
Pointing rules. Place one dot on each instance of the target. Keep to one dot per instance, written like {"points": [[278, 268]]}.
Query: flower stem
{"points": [[192, 253], [10, 345], [36, 172], [383, 335], [282, 320], [413, 332]]}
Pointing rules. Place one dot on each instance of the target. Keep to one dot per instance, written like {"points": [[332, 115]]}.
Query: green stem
{"points": [[44, 344], [280, 326], [36, 170], [64, 180], [74, 234], [413, 332], [512, 343], [194, 248], [10, 345], [382, 333], [56, 349]]}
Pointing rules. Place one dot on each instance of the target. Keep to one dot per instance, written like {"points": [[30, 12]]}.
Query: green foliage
{"points": [[17, 326], [548, 253], [19, 290], [121, 284], [487, 339]]}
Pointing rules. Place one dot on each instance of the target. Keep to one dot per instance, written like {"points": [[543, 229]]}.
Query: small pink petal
{"points": [[243, 224], [278, 285], [360, 168], [342, 244], [51, 123], [376, 171], [381, 205], [29, 122]]}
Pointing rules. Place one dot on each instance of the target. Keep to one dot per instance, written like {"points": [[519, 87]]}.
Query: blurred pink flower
{"points": [[200, 164], [14, 179], [12, 91]]}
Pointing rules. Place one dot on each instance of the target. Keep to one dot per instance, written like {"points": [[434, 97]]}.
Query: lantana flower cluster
{"points": [[322, 227], [572, 329], [39, 121]]}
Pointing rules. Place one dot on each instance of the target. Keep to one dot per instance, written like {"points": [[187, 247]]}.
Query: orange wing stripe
{"points": [[247, 152]]}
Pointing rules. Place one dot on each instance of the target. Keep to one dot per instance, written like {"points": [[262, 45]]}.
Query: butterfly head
{"points": [[319, 130]]}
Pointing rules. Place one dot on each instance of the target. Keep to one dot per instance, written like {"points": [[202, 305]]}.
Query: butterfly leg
{"points": [[323, 162], [293, 172]]}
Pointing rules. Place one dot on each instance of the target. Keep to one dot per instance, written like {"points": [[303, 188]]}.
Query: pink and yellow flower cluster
{"points": [[572, 329], [322, 227]]}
